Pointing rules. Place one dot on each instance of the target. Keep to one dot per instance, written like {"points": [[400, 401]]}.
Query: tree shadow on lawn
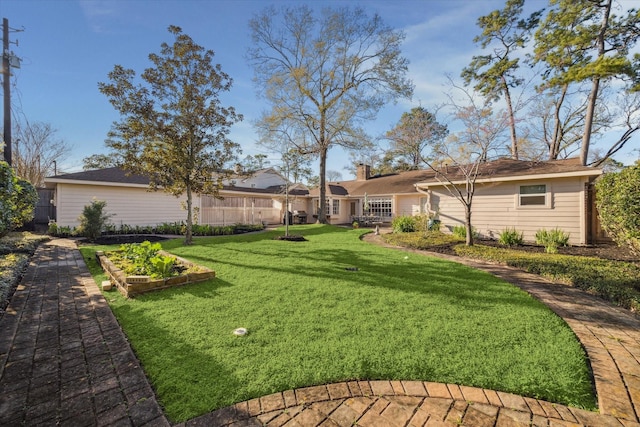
{"points": [[386, 267], [183, 393]]}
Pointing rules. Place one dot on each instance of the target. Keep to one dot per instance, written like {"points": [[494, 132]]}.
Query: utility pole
{"points": [[6, 86], [8, 60]]}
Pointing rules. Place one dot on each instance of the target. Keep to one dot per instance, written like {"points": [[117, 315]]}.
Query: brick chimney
{"points": [[363, 172]]}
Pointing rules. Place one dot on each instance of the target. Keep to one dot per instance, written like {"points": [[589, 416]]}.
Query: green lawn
{"points": [[311, 321]]}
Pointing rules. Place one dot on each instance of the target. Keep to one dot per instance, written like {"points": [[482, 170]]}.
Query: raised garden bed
{"points": [[132, 285]]}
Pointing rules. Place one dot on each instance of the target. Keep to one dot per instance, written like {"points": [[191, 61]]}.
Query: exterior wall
{"points": [[495, 207], [131, 205], [406, 205]]}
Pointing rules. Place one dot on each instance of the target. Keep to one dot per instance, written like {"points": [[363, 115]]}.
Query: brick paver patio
{"points": [[65, 361]]}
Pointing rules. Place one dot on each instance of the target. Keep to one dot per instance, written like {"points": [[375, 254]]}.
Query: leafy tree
{"points": [[18, 199], [617, 196], [36, 149], [325, 75], [494, 72], [416, 131], [174, 128], [583, 40]]}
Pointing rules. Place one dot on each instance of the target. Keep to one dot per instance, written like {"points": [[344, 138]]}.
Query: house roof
{"points": [[497, 170], [119, 177], [111, 175], [515, 170]]}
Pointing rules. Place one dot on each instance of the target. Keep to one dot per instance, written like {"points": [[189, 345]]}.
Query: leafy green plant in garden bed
{"points": [[615, 281], [552, 239], [511, 237], [337, 309], [143, 259]]}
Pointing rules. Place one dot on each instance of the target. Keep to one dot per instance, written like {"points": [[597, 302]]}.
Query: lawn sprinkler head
{"points": [[240, 332]]}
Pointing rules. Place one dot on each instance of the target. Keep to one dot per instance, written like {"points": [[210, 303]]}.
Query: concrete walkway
{"points": [[65, 361]]}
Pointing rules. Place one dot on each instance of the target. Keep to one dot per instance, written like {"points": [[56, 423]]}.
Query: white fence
{"points": [[238, 210]]}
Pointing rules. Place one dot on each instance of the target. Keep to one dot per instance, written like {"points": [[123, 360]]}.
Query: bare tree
{"points": [[325, 75], [37, 150], [458, 161]]}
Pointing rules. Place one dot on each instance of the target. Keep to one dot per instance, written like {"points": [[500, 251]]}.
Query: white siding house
{"points": [[247, 199]]}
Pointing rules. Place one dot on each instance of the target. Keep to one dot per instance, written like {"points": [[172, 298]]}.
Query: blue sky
{"points": [[68, 46]]}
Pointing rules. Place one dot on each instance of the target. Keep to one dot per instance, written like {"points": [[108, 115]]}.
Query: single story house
{"points": [[246, 198], [508, 193]]}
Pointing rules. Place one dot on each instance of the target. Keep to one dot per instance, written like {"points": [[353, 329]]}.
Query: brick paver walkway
{"points": [[65, 361]]}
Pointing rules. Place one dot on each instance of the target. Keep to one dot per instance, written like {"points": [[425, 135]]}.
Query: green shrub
{"points": [[552, 239], [93, 220], [403, 224], [18, 200], [617, 196], [511, 237]]}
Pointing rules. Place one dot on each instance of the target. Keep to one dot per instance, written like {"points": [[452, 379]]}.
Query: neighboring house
{"points": [[249, 199], [508, 193]]}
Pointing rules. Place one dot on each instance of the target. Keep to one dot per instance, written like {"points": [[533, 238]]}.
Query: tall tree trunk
{"points": [[467, 224], [593, 96], [588, 125], [554, 147], [512, 119], [322, 213], [189, 233]]}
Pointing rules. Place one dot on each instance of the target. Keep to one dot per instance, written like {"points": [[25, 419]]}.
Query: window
{"points": [[336, 206], [533, 195], [380, 207]]}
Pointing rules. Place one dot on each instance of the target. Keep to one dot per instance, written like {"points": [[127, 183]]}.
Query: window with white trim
{"points": [[379, 206], [533, 195], [336, 207]]}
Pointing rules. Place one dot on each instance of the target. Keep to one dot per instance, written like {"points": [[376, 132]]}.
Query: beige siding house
{"points": [[248, 199], [509, 193]]}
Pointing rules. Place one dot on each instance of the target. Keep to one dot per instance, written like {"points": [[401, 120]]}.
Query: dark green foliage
{"points": [[618, 202], [18, 200], [615, 281], [93, 220], [404, 224], [552, 239], [510, 237]]}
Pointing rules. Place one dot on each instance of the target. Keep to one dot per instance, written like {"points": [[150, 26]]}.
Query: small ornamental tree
{"points": [[617, 196], [94, 219], [17, 200]]}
